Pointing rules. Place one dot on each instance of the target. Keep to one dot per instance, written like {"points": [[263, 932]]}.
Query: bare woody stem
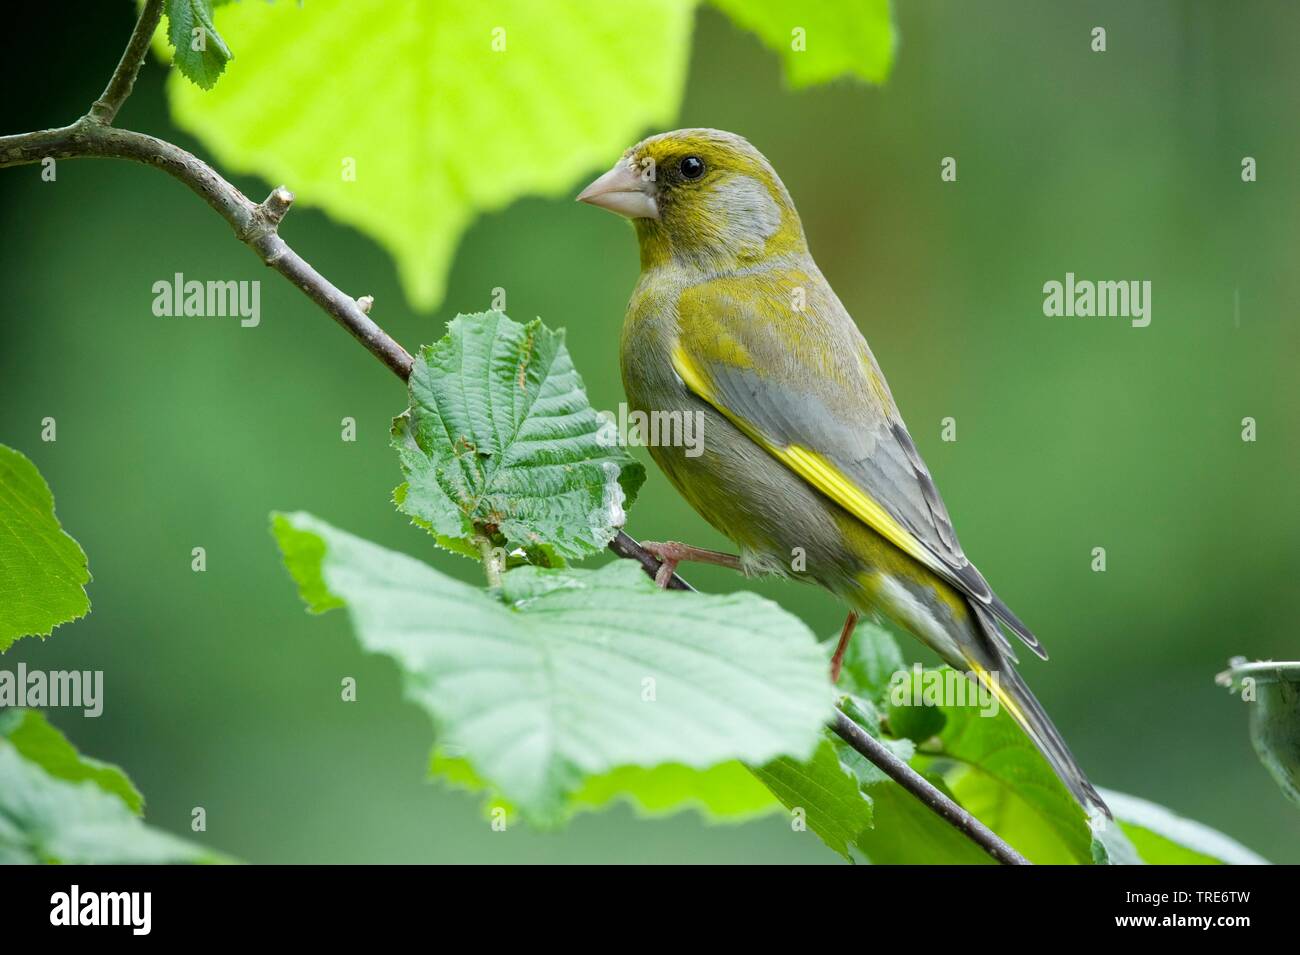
{"points": [[104, 110], [257, 226], [624, 546], [920, 787], [867, 745]]}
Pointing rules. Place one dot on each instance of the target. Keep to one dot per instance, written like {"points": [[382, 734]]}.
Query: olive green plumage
{"points": [[806, 464]]}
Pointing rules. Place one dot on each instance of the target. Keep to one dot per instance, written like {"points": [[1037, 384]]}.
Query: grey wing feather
{"points": [[835, 411], [973, 581]]}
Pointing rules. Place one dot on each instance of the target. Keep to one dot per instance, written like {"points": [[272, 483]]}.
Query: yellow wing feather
{"points": [[816, 470]]}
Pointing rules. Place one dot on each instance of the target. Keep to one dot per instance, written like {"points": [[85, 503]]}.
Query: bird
{"points": [[806, 464]]}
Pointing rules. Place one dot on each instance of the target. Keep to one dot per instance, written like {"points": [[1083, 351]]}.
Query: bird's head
{"points": [[702, 198]]}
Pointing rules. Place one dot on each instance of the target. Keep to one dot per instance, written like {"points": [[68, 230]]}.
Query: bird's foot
{"points": [[672, 553], [837, 661]]}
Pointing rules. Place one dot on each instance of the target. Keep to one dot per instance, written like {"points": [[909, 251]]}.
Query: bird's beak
{"points": [[624, 191]]}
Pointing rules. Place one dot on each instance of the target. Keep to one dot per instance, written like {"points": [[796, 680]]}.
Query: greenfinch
{"points": [[805, 463]]}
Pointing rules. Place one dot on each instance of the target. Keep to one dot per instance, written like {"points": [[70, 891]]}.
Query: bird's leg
{"points": [[672, 553], [837, 661]]}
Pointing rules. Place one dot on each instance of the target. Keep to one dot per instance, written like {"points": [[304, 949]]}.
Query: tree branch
{"points": [[624, 546], [104, 110], [257, 225], [867, 745], [920, 787]]}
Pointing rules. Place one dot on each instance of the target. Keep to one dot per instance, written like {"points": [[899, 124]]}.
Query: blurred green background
{"points": [[1072, 433]]}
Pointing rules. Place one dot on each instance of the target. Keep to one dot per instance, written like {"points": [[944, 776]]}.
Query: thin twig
{"points": [[867, 745], [624, 546], [104, 110], [257, 225], [920, 787]]}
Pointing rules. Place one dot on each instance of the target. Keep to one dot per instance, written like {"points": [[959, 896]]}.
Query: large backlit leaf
{"points": [[407, 118], [823, 40]]}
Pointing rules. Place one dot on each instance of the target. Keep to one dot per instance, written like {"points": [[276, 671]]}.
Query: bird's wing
{"points": [[823, 409]]}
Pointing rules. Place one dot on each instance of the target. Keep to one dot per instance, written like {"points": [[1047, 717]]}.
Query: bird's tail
{"points": [[1014, 695]]}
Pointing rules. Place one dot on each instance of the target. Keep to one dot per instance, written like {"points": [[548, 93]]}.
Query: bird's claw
{"points": [[669, 554]]}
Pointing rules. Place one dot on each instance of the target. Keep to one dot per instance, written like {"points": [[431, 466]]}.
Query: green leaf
{"points": [[304, 553], [1004, 781], [870, 661], [917, 723], [827, 794], [908, 833], [904, 831], [838, 37], [43, 571], [725, 793], [1111, 846], [580, 672], [40, 743], [47, 819], [200, 53], [406, 119], [499, 436], [1163, 838], [868, 773]]}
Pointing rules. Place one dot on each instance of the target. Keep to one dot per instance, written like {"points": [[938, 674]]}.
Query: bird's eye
{"points": [[692, 167]]}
